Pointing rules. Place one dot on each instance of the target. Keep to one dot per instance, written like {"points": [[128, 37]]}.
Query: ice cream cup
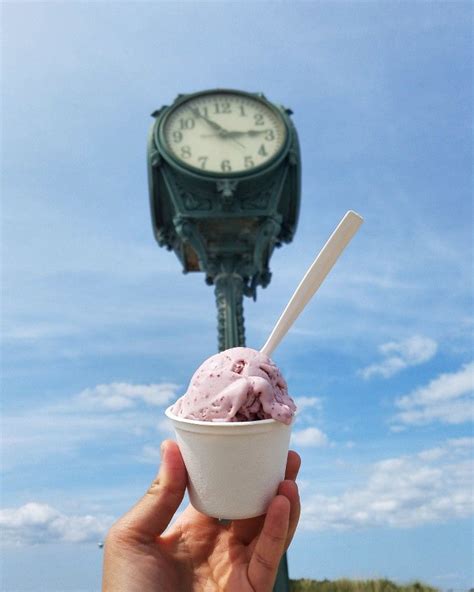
{"points": [[234, 468]]}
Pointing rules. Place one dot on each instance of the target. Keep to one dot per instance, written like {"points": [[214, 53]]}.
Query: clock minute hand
{"points": [[213, 124]]}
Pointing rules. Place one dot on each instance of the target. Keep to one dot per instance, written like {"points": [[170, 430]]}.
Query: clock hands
{"points": [[247, 133], [236, 134], [222, 132], [213, 124]]}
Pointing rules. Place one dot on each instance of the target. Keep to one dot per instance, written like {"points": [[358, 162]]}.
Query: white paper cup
{"points": [[234, 468]]}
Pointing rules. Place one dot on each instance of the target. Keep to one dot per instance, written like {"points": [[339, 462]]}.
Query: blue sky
{"points": [[101, 330]]}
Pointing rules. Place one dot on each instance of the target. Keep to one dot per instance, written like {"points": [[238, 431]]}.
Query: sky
{"points": [[101, 330]]}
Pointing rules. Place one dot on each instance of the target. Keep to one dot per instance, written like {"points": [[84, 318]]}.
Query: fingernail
{"points": [[162, 450]]}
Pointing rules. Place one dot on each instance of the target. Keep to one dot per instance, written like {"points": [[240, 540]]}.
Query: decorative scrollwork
{"points": [[260, 200], [159, 111], [187, 231], [155, 159], [293, 157], [193, 203], [165, 237], [227, 188]]}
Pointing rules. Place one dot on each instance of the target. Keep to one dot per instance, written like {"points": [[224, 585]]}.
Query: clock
{"points": [[224, 175], [223, 132]]}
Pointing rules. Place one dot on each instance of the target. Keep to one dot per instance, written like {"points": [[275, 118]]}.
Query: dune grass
{"points": [[345, 585]]}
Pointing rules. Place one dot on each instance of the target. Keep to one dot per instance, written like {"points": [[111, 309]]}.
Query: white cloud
{"points": [[308, 402], [446, 399], [309, 437], [400, 355], [119, 395], [37, 523], [110, 413], [165, 427], [38, 330], [150, 454], [429, 487]]}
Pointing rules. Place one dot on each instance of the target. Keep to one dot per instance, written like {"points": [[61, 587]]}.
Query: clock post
{"points": [[224, 174]]}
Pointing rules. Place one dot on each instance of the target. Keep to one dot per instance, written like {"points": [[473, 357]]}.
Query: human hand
{"points": [[197, 553]]}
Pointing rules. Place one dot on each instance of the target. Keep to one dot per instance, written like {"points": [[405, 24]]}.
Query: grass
{"points": [[344, 585]]}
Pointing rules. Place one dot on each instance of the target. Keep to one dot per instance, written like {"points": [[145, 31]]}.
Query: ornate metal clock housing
{"points": [[224, 178]]}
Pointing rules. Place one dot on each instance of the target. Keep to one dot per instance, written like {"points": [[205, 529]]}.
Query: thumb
{"points": [[152, 514]]}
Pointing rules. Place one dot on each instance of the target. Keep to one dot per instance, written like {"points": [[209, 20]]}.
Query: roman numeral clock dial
{"points": [[224, 133]]}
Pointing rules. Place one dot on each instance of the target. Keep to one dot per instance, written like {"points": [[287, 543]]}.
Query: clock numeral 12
{"points": [[223, 107]]}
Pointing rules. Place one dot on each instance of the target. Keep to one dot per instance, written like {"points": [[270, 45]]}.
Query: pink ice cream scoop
{"points": [[238, 384]]}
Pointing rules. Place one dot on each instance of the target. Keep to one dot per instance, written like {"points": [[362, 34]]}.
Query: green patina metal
{"points": [[225, 225]]}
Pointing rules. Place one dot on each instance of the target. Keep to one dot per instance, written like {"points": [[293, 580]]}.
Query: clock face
{"points": [[224, 133]]}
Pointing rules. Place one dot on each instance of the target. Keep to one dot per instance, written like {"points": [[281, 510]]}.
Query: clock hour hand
{"points": [[251, 133]]}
